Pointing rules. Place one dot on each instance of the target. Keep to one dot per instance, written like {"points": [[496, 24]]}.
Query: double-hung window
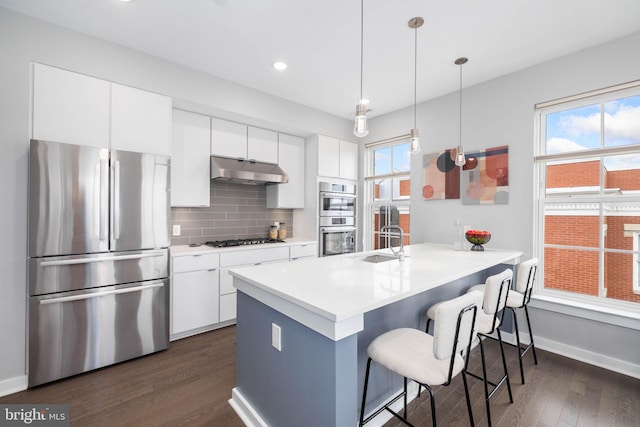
{"points": [[587, 168], [387, 191]]}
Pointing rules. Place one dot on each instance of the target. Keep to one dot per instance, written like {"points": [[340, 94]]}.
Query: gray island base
{"points": [[303, 328]]}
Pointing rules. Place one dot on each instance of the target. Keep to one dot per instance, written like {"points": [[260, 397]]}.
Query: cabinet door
{"points": [[228, 139], [262, 145], [70, 107], [328, 156], [194, 297], [291, 160], [348, 160], [190, 145], [140, 120]]}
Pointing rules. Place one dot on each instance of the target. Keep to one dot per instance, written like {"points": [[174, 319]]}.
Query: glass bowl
{"points": [[477, 238]]}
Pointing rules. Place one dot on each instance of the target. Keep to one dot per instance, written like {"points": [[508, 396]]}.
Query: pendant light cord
{"points": [[361, 45], [460, 108], [415, 75]]}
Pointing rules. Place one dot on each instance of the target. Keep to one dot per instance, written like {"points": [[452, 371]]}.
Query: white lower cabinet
{"points": [[202, 293], [195, 292], [246, 258]]}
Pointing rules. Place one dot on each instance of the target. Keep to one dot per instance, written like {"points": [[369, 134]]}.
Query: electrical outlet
{"points": [[276, 337], [176, 230]]}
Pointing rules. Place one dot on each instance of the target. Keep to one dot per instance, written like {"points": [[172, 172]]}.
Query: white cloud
{"points": [[576, 126], [563, 145], [624, 123]]}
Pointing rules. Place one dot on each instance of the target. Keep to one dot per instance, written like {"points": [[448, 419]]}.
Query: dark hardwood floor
{"points": [[190, 384]]}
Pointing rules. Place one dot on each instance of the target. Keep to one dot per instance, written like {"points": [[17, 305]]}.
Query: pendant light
{"points": [[460, 158], [360, 128], [414, 136]]}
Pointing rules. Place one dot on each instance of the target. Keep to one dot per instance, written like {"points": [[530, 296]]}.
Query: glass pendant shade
{"points": [[414, 139], [360, 128], [460, 158]]}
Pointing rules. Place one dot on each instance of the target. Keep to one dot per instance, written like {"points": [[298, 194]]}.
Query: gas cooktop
{"points": [[242, 242]]}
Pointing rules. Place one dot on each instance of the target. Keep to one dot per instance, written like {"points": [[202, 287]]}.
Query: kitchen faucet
{"points": [[400, 253]]}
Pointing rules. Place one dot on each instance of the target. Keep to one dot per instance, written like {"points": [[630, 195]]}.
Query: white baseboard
{"points": [[245, 411], [580, 354], [13, 385]]}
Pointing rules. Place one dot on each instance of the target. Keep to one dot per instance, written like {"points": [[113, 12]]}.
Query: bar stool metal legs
{"points": [[531, 346]]}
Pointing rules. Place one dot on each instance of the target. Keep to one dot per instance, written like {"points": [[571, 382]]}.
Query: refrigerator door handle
{"points": [[104, 199], [101, 294], [99, 259], [116, 200]]}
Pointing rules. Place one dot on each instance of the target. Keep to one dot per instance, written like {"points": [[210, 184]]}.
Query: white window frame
{"points": [[370, 205], [607, 310]]}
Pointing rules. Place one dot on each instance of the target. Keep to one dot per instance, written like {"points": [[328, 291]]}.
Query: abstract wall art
{"points": [[485, 177], [440, 176]]}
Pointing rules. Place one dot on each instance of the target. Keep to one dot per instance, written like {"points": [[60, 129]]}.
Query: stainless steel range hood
{"points": [[246, 171]]}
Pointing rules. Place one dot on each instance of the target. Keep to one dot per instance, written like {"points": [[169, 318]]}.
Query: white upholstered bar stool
{"points": [[495, 293], [519, 298], [428, 360]]}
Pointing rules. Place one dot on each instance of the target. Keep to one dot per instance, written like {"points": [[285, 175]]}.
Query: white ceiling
{"points": [[238, 40]]}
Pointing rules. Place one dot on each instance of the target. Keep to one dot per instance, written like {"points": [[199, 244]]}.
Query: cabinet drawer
{"points": [[195, 262], [228, 308], [254, 256], [301, 251]]}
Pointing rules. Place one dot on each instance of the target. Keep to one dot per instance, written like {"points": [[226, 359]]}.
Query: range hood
{"points": [[246, 171]]}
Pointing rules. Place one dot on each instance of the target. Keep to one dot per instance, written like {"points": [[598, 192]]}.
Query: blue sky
{"points": [[580, 129]]}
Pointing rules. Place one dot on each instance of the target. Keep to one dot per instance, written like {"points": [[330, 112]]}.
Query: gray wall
{"points": [[24, 40], [237, 211], [501, 112]]}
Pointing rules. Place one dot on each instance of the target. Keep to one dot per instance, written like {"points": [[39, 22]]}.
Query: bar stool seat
{"points": [[427, 359]]}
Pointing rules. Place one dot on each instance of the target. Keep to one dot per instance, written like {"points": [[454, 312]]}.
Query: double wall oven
{"points": [[337, 218]]}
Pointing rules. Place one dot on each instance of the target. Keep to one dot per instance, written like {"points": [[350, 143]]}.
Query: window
{"points": [[588, 197], [387, 191]]}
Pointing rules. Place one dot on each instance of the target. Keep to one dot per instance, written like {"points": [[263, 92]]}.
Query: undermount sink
{"points": [[379, 258]]}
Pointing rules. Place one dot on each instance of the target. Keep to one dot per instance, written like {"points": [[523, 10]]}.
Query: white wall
{"points": [[501, 112], [24, 40]]}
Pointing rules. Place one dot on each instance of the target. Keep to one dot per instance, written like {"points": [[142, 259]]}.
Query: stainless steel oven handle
{"points": [[336, 229], [99, 259], [101, 294]]}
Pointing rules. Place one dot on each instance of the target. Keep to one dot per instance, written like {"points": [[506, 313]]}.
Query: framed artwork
{"points": [[440, 176], [485, 177]]}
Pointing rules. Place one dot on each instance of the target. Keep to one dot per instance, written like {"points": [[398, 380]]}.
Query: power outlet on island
{"points": [[276, 337]]}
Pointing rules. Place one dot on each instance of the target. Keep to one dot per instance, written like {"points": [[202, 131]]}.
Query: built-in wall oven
{"points": [[337, 218]]}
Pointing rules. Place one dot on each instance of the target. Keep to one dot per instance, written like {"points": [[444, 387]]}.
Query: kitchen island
{"points": [[303, 328]]}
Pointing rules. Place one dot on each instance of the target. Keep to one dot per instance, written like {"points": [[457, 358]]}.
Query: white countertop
{"points": [[343, 287], [184, 250]]}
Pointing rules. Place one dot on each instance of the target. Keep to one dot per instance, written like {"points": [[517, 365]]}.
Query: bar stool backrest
{"points": [[454, 327], [496, 290], [526, 277]]}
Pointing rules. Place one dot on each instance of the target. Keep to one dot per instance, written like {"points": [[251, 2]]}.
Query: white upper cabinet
{"points": [[262, 145], [239, 141], [338, 159], [291, 160], [328, 156], [77, 109], [140, 120], [228, 139], [70, 107], [190, 145], [348, 160]]}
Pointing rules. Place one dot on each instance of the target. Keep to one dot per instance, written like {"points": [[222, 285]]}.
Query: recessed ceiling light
{"points": [[126, 1], [280, 66]]}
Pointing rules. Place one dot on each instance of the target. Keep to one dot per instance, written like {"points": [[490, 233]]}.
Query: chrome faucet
{"points": [[400, 253]]}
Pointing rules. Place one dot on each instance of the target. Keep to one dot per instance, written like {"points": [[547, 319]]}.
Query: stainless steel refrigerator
{"points": [[98, 257]]}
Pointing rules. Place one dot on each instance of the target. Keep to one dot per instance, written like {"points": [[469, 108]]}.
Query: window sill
{"points": [[624, 317]]}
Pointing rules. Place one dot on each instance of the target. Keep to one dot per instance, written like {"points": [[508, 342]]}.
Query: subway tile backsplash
{"points": [[237, 211]]}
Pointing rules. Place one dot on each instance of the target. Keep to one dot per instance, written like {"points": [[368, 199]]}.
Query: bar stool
{"points": [[496, 291], [428, 360], [519, 298]]}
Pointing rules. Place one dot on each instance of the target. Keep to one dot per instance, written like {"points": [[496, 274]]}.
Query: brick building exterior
{"points": [[573, 224]]}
